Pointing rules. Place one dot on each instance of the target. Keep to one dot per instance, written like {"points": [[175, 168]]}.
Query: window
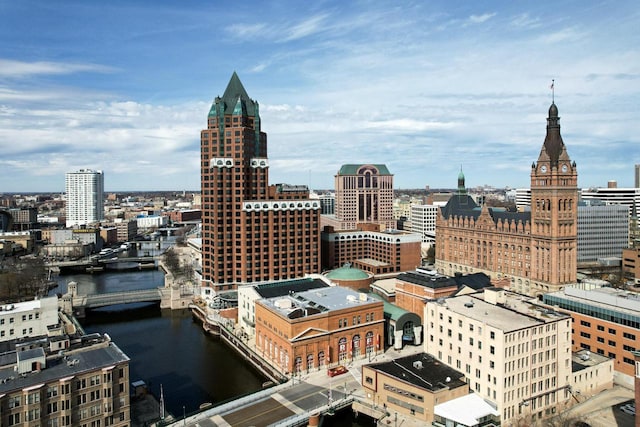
{"points": [[585, 335], [585, 323], [492, 335], [492, 349], [629, 336]]}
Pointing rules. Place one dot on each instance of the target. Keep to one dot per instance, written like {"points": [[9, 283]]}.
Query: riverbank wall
{"points": [[219, 327]]}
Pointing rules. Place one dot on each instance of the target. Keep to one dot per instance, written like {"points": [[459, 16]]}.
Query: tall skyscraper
{"points": [[85, 197], [637, 176], [531, 252], [364, 195], [251, 231]]}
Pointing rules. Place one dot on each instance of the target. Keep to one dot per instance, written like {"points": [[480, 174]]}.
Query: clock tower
{"points": [[554, 212]]}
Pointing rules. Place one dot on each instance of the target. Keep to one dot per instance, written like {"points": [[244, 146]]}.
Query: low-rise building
{"points": [[413, 385], [28, 319], [631, 265], [316, 328], [591, 374]]}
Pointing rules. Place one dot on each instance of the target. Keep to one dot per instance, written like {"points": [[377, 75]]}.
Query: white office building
{"points": [[29, 319], [85, 197], [423, 222]]}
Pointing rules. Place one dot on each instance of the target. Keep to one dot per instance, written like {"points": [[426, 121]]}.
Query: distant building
{"points": [[603, 232], [423, 222], [613, 195], [310, 330], [364, 194], [151, 221], [327, 203], [514, 352], [637, 176], [24, 218], [376, 252], [533, 252], [606, 321], [413, 385], [631, 265], [85, 197]]}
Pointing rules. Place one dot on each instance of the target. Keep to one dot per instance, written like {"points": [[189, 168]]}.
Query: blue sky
{"points": [[424, 87]]}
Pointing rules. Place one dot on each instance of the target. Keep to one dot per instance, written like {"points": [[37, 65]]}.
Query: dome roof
{"points": [[346, 272], [553, 110]]}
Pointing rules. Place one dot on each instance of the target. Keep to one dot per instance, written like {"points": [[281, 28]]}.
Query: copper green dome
{"points": [[347, 272]]}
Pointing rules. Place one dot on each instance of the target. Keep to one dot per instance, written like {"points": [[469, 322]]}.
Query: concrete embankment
{"points": [[217, 328]]}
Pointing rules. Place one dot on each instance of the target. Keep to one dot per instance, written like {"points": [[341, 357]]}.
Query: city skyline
{"points": [[422, 88]]}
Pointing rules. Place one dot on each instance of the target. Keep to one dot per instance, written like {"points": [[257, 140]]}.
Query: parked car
{"points": [[338, 370]]}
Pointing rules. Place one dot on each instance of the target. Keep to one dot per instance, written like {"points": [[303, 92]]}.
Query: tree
{"points": [[172, 261], [22, 279]]}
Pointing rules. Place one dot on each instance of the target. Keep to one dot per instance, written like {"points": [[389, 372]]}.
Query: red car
{"points": [[338, 370]]}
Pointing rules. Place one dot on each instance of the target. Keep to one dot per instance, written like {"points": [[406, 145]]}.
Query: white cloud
{"points": [[479, 19], [13, 68]]}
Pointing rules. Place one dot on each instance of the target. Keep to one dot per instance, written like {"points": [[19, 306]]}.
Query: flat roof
{"points": [[318, 300], [422, 370], [601, 296], [584, 359], [285, 287], [518, 311], [466, 410]]}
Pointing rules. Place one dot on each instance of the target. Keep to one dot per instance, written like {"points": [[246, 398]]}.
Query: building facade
{"points": [[606, 321], [413, 385], [534, 252], [364, 194], [79, 386], [603, 232], [314, 329], [376, 252], [423, 222], [513, 352], [85, 197], [28, 319], [251, 231]]}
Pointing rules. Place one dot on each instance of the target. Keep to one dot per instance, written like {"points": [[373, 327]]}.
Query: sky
{"points": [[424, 87]]}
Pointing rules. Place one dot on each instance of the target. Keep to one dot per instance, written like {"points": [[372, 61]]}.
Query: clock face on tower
{"points": [[564, 168], [543, 169]]}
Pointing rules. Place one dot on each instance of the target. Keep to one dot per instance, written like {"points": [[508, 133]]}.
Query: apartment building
{"points": [[85, 197], [514, 353], [423, 222], [85, 384]]}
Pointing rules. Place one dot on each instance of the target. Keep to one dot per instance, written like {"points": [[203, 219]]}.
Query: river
{"points": [[169, 349]]}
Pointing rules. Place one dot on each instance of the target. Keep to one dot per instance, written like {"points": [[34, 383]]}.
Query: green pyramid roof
{"points": [[353, 169], [235, 100]]}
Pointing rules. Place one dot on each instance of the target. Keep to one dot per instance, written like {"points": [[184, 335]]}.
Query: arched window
{"points": [[356, 346], [369, 343], [309, 362], [342, 350]]}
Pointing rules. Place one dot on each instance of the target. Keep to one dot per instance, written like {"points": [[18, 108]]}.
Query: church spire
{"points": [[461, 187]]}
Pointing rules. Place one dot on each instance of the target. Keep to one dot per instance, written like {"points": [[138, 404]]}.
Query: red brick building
{"points": [[377, 252], [251, 231], [318, 328], [535, 252]]}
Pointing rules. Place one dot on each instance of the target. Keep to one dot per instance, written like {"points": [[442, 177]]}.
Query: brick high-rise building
{"points": [[531, 252], [251, 231], [364, 194]]}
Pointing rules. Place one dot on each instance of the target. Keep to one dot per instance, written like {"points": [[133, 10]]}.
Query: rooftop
{"points": [[96, 357], [286, 287], [316, 301], [584, 359], [466, 410], [511, 313], [422, 370]]}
